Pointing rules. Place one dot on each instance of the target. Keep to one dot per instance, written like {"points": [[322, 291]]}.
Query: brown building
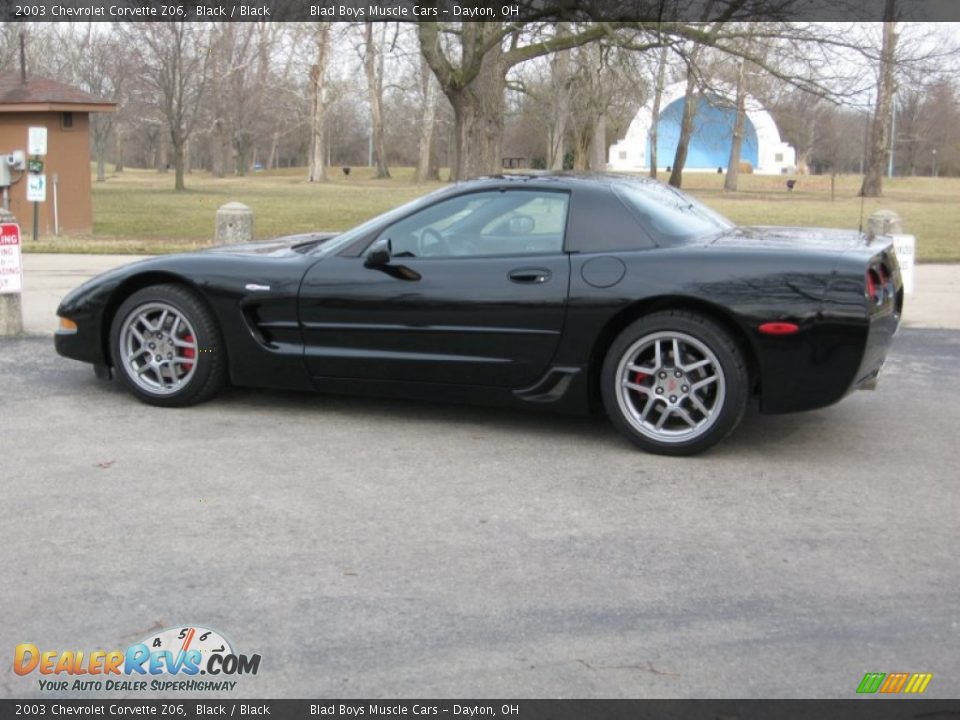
{"points": [[65, 112]]}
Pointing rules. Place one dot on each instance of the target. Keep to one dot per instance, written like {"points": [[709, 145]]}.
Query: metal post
{"points": [[36, 219], [56, 208]]}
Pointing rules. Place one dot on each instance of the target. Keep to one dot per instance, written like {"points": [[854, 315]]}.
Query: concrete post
{"points": [[11, 309], [234, 224], [884, 222]]}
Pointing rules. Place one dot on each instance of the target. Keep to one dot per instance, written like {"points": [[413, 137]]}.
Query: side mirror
{"points": [[378, 255]]}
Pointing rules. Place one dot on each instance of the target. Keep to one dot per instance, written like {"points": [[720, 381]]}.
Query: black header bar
{"points": [[471, 10], [197, 709]]}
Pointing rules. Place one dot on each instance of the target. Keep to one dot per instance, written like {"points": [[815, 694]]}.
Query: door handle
{"points": [[529, 276]]}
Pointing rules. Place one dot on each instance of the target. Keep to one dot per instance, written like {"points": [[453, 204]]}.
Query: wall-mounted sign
{"points": [[37, 141], [11, 269], [36, 188]]}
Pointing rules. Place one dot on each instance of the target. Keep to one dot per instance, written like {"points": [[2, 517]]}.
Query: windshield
{"points": [[354, 233], [668, 214]]}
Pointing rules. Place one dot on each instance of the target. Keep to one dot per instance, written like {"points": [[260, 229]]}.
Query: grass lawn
{"points": [[138, 211]]}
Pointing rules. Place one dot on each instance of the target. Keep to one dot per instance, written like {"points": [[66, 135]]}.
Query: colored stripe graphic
{"points": [[914, 683], [894, 682], [918, 682], [871, 682]]}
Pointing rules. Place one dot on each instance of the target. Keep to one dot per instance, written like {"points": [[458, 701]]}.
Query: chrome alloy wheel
{"points": [[158, 348], [670, 387]]}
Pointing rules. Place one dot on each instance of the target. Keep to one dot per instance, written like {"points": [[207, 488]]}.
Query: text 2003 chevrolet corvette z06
{"points": [[575, 292]]}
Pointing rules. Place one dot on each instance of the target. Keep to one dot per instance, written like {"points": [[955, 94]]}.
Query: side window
{"points": [[511, 222]]}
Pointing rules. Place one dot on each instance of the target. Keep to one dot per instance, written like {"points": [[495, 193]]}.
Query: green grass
{"points": [[138, 211], [930, 207]]}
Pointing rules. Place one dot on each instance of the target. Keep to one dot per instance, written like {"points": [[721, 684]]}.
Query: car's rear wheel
{"points": [[167, 347], [675, 383]]}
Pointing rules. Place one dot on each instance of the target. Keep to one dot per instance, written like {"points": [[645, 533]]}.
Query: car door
{"points": [[474, 292]]}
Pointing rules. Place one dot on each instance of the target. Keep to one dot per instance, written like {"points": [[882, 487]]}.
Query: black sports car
{"points": [[571, 292]]}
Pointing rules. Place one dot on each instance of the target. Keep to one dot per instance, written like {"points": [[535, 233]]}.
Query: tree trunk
{"points": [[478, 111], [686, 129], [218, 159], [272, 156], [373, 67], [733, 165], [560, 75], [655, 113], [880, 131], [178, 143], [163, 163], [428, 86], [318, 170], [100, 148], [581, 149], [598, 144], [118, 138]]}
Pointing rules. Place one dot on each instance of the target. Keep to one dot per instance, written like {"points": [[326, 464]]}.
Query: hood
{"points": [[793, 238], [278, 247]]}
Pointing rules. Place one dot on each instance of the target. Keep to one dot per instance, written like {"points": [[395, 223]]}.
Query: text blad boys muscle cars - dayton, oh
{"points": [[573, 292]]}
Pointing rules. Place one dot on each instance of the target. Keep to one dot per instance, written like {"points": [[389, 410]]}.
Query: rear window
{"points": [[668, 215]]}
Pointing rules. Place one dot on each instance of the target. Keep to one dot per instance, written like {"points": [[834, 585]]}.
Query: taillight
{"points": [[884, 274], [872, 281]]}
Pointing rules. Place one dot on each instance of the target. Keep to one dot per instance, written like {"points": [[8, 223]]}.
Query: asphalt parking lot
{"points": [[378, 549]]}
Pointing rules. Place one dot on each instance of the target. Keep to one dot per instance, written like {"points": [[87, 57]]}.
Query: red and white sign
{"points": [[11, 267]]}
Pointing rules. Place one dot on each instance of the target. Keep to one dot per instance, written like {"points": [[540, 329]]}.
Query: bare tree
{"points": [[655, 113], [171, 58], [426, 166], [317, 171], [691, 98], [374, 51], [736, 141], [475, 83], [879, 148]]}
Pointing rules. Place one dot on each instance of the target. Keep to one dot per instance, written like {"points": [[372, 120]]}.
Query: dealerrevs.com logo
{"points": [[167, 661]]}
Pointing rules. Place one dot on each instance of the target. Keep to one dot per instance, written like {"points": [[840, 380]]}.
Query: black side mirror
{"points": [[379, 255]]}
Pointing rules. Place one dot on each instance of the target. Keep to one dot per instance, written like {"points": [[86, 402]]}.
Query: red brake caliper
{"points": [[640, 377], [189, 353]]}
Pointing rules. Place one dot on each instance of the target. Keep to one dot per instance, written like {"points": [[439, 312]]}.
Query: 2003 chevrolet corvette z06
{"points": [[576, 292]]}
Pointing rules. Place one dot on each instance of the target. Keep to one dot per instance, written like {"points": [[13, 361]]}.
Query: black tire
{"points": [[701, 339], [202, 379]]}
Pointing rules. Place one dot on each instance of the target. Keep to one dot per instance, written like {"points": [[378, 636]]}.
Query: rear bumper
{"points": [[879, 339]]}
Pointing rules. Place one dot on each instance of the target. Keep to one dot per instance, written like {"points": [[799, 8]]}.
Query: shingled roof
{"points": [[43, 94]]}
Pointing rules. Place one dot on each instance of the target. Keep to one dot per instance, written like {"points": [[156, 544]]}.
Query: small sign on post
{"points": [[36, 188], [906, 248], [11, 267], [36, 141]]}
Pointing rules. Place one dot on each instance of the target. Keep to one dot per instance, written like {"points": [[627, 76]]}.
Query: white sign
{"points": [[905, 246], [37, 141], [11, 272], [36, 188]]}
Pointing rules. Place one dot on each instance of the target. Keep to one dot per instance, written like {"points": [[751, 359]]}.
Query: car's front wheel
{"points": [[167, 347], [675, 383]]}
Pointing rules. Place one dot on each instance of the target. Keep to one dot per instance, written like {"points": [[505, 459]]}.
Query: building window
{"points": [[66, 120], [778, 157], [623, 154]]}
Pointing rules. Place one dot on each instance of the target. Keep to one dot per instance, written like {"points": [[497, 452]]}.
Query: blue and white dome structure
{"points": [[712, 135]]}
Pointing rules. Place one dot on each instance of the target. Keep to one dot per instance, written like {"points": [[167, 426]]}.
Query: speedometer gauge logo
{"points": [[181, 640]]}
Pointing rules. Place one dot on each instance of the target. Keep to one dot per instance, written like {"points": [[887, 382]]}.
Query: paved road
{"points": [[384, 549]]}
